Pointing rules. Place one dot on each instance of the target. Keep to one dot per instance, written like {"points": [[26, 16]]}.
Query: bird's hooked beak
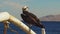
{"points": [[25, 8]]}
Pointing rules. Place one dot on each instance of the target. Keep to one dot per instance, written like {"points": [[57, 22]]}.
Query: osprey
{"points": [[30, 18]]}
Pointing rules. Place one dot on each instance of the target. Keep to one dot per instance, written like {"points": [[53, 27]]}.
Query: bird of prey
{"points": [[30, 18]]}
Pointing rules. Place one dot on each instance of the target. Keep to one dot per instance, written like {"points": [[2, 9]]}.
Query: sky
{"points": [[38, 7]]}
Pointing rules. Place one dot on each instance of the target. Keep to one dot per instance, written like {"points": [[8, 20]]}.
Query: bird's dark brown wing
{"points": [[30, 19], [26, 18], [37, 21], [32, 15], [35, 17], [23, 16]]}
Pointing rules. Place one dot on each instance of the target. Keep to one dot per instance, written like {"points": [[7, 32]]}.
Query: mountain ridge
{"points": [[50, 18]]}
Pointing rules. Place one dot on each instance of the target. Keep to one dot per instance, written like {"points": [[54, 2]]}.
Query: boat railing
{"points": [[6, 18]]}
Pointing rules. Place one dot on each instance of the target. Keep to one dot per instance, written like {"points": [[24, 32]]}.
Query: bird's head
{"points": [[25, 8]]}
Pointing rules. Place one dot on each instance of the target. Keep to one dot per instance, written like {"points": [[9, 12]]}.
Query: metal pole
{"points": [[6, 26], [43, 31], [21, 25], [6, 16]]}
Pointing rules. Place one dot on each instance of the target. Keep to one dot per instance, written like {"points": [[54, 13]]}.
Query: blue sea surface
{"points": [[52, 27]]}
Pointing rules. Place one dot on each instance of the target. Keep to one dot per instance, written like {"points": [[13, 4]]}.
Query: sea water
{"points": [[52, 27]]}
